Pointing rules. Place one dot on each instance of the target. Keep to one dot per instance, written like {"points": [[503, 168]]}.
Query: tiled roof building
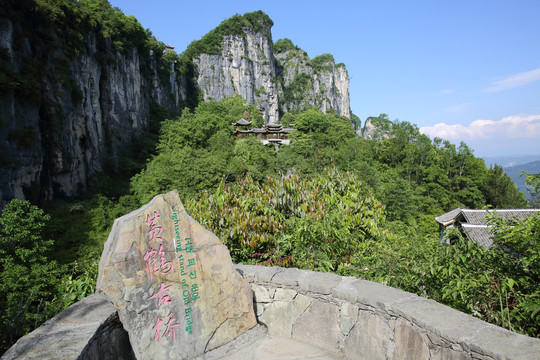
{"points": [[268, 134], [473, 223]]}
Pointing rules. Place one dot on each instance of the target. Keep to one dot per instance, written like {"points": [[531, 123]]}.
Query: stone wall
{"points": [[366, 320], [355, 318]]}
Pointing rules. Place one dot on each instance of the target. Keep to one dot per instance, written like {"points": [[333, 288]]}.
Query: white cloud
{"points": [[515, 80], [515, 127]]}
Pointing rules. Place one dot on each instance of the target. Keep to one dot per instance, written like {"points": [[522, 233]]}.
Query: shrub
{"points": [[28, 279], [322, 63], [283, 45], [316, 222]]}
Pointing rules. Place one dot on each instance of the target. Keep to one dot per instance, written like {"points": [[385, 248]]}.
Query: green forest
{"points": [[331, 201]]}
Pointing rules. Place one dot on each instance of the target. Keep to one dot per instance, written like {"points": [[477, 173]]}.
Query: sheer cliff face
{"points": [[247, 67], [72, 118], [68, 112], [325, 87]]}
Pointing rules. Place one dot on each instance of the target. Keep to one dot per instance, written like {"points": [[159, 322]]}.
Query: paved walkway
{"points": [[287, 349], [255, 344]]}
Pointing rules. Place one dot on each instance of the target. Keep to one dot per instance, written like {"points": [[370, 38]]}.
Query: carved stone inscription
{"points": [[173, 283]]}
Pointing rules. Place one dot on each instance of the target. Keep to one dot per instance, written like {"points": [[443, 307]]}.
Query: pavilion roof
{"points": [[242, 122], [478, 234], [473, 216]]}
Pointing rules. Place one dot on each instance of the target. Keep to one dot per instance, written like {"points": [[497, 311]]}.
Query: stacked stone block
{"points": [[366, 320]]}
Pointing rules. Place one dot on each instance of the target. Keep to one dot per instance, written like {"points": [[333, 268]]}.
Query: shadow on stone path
{"points": [[256, 344], [280, 348]]}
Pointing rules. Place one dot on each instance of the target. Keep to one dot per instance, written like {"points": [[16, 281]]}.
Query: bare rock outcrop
{"points": [[67, 113], [245, 67], [317, 82], [87, 330], [275, 81]]}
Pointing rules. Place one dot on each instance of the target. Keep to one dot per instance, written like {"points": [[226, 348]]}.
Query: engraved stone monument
{"points": [[173, 283]]}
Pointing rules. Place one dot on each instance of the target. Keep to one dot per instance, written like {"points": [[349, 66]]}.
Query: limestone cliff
{"points": [[368, 131], [376, 128], [244, 67], [306, 83], [69, 103], [278, 80], [77, 85]]}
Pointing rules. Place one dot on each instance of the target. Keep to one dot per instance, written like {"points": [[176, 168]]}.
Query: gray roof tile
{"points": [[242, 122], [449, 216], [474, 224], [478, 234]]}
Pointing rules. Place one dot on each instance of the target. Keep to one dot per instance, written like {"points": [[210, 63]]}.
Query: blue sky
{"points": [[461, 70]]}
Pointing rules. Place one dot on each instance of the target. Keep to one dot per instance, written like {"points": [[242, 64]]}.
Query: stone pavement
{"points": [[257, 344], [286, 349]]}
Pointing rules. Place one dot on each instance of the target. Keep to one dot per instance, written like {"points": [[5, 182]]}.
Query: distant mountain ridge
{"points": [[513, 165], [507, 161], [514, 172]]}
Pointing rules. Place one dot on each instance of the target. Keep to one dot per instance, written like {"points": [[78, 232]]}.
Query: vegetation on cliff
{"points": [[284, 45], [322, 63], [71, 22], [212, 42]]}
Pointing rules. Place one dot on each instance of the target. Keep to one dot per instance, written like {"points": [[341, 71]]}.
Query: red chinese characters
{"points": [[156, 262], [151, 258], [154, 230], [160, 295], [169, 328]]}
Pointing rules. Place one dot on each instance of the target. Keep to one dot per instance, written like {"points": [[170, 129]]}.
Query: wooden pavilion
{"points": [[268, 134]]}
